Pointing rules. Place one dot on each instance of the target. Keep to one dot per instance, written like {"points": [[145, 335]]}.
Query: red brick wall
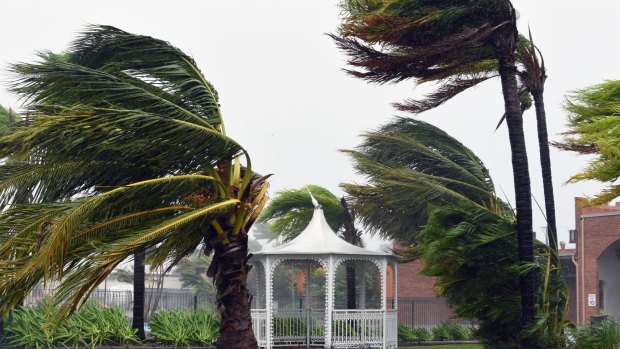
{"points": [[594, 235], [413, 285]]}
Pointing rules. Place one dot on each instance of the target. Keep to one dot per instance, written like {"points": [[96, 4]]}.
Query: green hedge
{"points": [[444, 332]]}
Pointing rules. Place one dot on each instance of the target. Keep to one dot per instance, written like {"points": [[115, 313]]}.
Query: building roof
{"points": [[318, 239]]}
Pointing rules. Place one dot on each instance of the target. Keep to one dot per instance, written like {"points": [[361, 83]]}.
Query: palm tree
{"points": [[434, 195], [126, 152], [451, 42], [290, 212], [410, 167], [193, 272], [593, 125]]}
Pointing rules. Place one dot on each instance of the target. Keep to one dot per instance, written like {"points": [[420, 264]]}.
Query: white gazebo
{"points": [[319, 250]]}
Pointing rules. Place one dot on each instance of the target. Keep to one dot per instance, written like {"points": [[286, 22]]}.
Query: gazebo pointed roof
{"points": [[318, 239]]}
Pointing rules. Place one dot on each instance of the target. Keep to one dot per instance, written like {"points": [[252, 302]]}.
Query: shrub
{"points": [[598, 335], [408, 334], [185, 327], [90, 326], [448, 331], [405, 334], [422, 334]]}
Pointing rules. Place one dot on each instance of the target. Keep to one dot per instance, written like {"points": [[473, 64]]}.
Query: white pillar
{"points": [[329, 303], [395, 273], [268, 302], [384, 298], [308, 305]]}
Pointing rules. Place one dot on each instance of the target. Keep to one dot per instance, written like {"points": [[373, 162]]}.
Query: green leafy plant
{"points": [[185, 327], [422, 334], [89, 327], [405, 334], [598, 335]]}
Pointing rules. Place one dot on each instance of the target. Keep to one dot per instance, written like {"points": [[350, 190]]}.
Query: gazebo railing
{"points": [[391, 326], [357, 327], [259, 326]]}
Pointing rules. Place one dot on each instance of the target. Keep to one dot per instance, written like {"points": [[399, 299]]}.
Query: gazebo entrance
{"points": [[317, 265]]}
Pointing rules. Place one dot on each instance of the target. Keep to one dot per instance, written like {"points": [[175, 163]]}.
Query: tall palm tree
{"points": [[290, 211], [448, 41], [126, 152], [434, 195]]}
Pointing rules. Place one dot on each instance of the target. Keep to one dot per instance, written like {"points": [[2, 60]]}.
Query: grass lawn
{"points": [[447, 346]]}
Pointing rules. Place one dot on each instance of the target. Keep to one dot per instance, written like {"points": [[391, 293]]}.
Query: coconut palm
{"points": [[430, 192], [290, 211], [411, 165], [593, 130], [451, 42], [126, 152]]}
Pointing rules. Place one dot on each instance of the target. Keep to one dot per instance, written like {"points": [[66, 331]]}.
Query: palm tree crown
{"points": [[126, 152]]}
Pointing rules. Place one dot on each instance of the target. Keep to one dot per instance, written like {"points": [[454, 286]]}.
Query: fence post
{"points": [[195, 301]]}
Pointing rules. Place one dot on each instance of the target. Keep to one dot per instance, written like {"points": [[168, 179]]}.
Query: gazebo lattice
{"points": [[328, 327]]}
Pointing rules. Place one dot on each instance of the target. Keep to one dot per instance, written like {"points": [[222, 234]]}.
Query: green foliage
{"points": [[449, 331], [193, 272], [410, 165], [125, 151], [90, 326], [290, 211], [408, 334], [594, 128], [185, 327], [598, 335]]}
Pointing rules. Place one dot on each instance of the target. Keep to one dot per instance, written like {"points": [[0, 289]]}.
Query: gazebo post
{"points": [[384, 298], [268, 302], [329, 304], [308, 306], [395, 295]]}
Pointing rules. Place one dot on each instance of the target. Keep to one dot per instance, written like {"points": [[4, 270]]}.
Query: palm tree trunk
{"points": [[514, 120], [138, 293], [545, 165], [229, 269]]}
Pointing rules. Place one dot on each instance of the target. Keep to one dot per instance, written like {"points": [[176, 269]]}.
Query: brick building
{"points": [[597, 261]]}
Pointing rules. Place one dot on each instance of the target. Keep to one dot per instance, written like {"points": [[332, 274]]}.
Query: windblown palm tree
{"points": [[434, 195], [291, 210], [411, 165], [593, 130], [126, 152], [451, 42]]}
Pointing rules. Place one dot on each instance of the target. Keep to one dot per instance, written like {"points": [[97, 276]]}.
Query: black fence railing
{"points": [[413, 312]]}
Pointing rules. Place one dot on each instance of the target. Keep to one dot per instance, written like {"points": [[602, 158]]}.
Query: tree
{"points": [[126, 152], [593, 130], [193, 272], [434, 195], [450, 42], [8, 120], [291, 210], [411, 165]]}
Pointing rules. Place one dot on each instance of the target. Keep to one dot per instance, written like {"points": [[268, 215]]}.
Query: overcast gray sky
{"points": [[285, 98]]}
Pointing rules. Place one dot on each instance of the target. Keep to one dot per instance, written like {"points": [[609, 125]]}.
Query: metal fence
{"points": [[413, 312], [154, 300]]}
